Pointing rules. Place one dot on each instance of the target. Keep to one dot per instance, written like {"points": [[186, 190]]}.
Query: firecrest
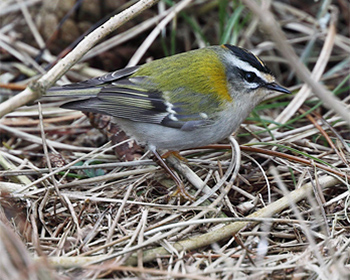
{"points": [[179, 102]]}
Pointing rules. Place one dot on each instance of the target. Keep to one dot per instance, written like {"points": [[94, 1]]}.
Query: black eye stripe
{"points": [[250, 77]]}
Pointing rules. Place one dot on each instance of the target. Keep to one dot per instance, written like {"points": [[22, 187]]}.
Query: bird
{"points": [[187, 100]]}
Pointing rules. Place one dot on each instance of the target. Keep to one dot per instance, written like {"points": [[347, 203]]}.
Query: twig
{"points": [[271, 26], [38, 88]]}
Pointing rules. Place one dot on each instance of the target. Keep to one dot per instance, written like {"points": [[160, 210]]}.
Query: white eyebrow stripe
{"points": [[246, 66], [252, 85]]}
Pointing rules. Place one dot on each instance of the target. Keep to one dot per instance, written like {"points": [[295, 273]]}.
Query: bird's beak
{"points": [[276, 87]]}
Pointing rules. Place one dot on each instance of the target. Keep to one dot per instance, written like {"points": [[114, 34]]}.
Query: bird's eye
{"points": [[249, 77]]}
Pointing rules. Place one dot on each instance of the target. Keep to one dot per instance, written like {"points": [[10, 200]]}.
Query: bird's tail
{"points": [[78, 96], [89, 88]]}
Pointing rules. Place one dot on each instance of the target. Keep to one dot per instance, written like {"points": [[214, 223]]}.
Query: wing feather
{"points": [[123, 96]]}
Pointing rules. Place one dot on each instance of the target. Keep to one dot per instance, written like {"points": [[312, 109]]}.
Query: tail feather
{"points": [[91, 87]]}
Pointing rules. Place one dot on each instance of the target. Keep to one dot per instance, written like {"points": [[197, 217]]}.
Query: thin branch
{"points": [[39, 87]]}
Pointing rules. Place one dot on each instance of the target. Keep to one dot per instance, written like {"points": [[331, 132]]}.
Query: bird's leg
{"points": [[175, 154], [180, 186]]}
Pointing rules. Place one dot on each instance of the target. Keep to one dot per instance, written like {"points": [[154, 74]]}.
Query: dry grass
{"points": [[70, 209]]}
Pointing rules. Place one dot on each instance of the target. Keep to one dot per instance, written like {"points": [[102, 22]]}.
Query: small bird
{"points": [[179, 102]]}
